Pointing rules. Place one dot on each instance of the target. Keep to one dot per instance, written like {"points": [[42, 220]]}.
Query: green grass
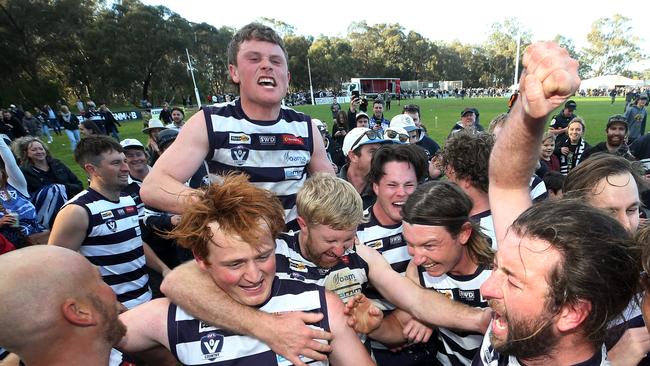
{"points": [[595, 111]]}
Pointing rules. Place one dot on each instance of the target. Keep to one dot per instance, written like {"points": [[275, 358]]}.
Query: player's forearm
{"points": [[438, 310], [192, 289], [389, 332], [153, 261], [163, 192]]}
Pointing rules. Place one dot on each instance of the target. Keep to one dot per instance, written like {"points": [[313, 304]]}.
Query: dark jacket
{"points": [[60, 174], [72, 124]]}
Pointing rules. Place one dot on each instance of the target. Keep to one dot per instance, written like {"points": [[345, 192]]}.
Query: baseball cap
{"points": [[642, 96], [467, 110], [361, 114], [403, 121], [12, 106], [153, 123], [319, 124], [131, 143], [166, 137], [571, 105], [397, 134], [359, 136], [617, 118]]}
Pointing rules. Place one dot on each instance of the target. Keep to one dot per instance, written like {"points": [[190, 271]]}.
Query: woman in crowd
{"points": [[153, 130], [45, 127], [49, 181], [89, 128], [339, 127], [18, 221], [70, 123], [570, 149]]}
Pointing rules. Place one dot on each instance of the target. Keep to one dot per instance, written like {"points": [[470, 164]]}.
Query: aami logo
{"points": [[211, 345], [267, 140], [292, 140], [295, 159]]}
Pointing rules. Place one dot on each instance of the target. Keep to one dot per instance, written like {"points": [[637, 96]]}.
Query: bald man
{"points": [[53, 316]]}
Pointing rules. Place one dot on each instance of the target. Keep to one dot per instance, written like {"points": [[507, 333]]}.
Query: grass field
{"points": [[446, 112]]}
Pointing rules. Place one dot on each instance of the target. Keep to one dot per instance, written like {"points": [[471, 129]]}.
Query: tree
{"points": [[612, 46], [501, 48], [298, 48]]}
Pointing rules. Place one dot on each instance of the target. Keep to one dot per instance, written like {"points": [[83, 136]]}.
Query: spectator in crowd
{"points": [[359, 146], [152, 129], [102, 223], [377, 121], [245, 220], [354, 111], [166, 114], [612, 94], [554, 181], [467, 122], [281, 162], [42, 117], [544, 250], [616, 131], [641, 151], [570, 149], [17, 111], [50, 182], [178, 118], [32, 124], [340, 127], [636, 116], [93, 115], [548, 161], [137, 160], [64, 313], [423, 140], [70, 124], [334, 153], [560, 123], [109, 122], [18, 221], [335, 108], [51, 119], [387, 97], [12, 126], [89, 128], [362, 120]]}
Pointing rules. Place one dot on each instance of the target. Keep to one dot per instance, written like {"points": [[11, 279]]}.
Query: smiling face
{"points": [[548, 146], [522, 325], [436, 250], [136, 159], [616, 134], [112, 171], [468, 119], [392, 190], [323, 245], [261, 73], [36, 152], [243, 271], [575, 131]]}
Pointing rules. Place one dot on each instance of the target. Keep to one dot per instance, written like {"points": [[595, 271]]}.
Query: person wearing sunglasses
{"points": [[430, 146], [359, 146], [397, 134]]}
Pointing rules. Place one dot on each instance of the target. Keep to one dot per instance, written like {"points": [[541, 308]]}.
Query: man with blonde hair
{"points": [[322, 252]]}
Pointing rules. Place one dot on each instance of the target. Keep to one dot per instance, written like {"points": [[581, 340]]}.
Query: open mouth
{"points": [[253, 287], [267, 82]]}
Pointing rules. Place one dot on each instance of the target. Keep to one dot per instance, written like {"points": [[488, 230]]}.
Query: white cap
{"points": [[153, 123], [358, 136], [127, 143], [399, 131], [403, 121]]}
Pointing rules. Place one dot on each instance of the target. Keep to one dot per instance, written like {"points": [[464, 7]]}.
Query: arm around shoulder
{"points": [[146, 326]]}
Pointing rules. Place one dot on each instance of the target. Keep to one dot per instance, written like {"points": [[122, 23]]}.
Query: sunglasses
{"points": [[401, 136], [371, 134]]}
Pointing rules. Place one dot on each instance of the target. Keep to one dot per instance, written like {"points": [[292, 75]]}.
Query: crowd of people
{"points": [[254, 235]]}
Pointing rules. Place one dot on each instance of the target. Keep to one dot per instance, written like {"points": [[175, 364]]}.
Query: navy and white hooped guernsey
{"points": [[113, 244], [194, 342], [274, 154]]}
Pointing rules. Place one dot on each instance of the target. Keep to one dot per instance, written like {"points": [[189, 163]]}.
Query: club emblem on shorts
{"points": [[211, 345], [112, 225], [239, 155]]}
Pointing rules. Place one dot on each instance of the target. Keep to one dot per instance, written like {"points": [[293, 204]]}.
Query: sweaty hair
{"points": [[441, 203], [599, 265], [237, 207], [90, 149], [253, 31], [329, 201], [468, 155], [411, 154], [580, 181]]}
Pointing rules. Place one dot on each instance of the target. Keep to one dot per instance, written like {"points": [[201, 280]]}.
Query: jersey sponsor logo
{"points": [[267, 140], [448, 293], [297, 266], [211, 345], [239, 138], [295, 159], [468, 295], [121, 212], [396, 239], [344, 283], [293, 173], [239, 155], [111, 225], [284, 362], [205, 327], [297, 276], [107, 215], [130, 209], [377, 244], [292, 140]]}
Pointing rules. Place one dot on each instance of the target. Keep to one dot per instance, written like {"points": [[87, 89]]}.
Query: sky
{"points": [[468, 21]]}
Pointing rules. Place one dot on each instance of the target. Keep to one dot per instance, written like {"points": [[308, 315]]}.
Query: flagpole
{"points": [[311, 88], [196, 90], [516, 81]]}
